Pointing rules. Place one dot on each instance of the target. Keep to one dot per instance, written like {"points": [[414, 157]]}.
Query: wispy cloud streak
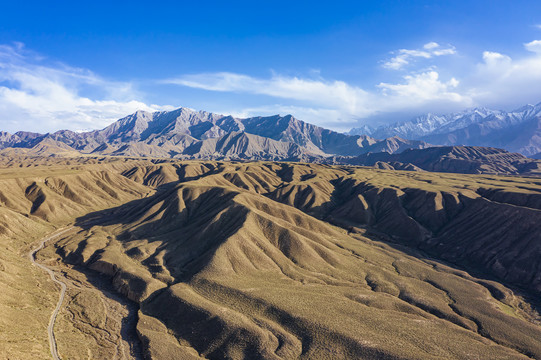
{"points": [[404, 57]]}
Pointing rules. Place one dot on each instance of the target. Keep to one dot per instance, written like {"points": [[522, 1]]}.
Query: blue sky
{"points": [[336, 64]]}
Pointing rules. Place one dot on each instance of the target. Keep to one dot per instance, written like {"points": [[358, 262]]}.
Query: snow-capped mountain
{"points": [[518, 130]]}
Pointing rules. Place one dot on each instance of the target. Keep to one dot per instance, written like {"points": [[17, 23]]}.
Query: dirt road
{"points": [[32, 256]]}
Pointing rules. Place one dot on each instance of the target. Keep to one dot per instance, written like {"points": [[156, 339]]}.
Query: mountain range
{"points": [[517, 131], [189, 134]]}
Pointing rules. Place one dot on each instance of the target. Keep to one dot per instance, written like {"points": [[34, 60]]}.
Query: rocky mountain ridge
{"points": [[179, 133], [453, 159]]}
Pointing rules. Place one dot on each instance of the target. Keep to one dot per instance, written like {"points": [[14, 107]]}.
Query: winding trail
{"points": [[32, 256]]}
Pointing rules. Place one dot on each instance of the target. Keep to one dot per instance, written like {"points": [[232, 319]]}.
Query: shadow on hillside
{"points": [[386, 224], [121, 215], [190, 226]]}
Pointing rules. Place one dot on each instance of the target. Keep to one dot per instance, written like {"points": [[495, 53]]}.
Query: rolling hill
{"points": [[273, 260]]}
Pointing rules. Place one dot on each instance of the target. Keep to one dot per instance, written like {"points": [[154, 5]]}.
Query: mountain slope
{"points": [[46, 147], [248, 146]]}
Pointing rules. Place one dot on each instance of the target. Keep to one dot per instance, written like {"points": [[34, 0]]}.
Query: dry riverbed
{"points": [[90, 320]]}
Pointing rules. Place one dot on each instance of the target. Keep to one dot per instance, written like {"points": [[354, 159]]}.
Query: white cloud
{"points": [[331, 93], [41, 96], [404, 56], [422, 88], [500, 80], [47, 97], [431, 45], [331, 103], [494, 58], [534, 46]]}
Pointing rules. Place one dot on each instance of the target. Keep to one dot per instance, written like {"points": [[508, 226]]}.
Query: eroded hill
{"points": [[283, 260]]}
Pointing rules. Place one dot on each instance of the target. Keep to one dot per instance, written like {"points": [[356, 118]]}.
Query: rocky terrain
{"points": [[268, 260]]}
